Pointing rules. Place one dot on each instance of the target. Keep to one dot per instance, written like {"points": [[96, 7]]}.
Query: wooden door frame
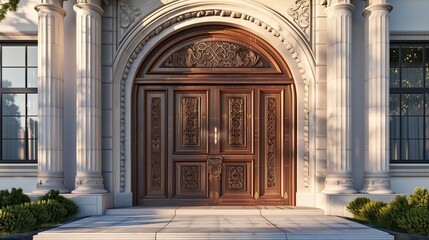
{"points": [[279, 74]]}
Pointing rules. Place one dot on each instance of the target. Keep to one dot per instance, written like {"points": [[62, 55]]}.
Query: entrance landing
{"points": [[249, 222]]}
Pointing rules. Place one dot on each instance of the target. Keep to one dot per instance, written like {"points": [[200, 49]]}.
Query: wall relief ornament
{"points": [[215, 168], [190, 121], [301, 14], [271, 143], [155, 123], [209, 13], [128, 13], [236, 131], [215, 54]]}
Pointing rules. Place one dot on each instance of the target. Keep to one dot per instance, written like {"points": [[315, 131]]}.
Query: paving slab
{"points": [[269, 222]]}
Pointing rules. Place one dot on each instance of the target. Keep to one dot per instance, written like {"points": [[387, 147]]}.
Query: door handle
{"points": [[215, 135]]}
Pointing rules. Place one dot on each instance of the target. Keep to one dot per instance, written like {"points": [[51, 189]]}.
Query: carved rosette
{"points": [[191, 124], [236, 121], [215, 54], [271, 143], [215, 168], [236, 178], [156, 143], [301, 14]]}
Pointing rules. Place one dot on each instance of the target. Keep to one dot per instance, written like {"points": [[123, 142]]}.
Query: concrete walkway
{"points": [[214, 223]]}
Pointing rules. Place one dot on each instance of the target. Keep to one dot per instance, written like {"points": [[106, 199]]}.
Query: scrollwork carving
{"points": [[215, 168], [190, 121], [215, 54], [155, 122], [236, 121], [236, 178], [271, 142], [190, 178], [128, 14], [301, 14]]}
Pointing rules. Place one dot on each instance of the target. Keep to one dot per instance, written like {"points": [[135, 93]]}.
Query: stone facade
{"points": [[90, 53]]}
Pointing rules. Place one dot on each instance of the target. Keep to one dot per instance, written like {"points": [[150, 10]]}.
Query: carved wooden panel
{"points": [[236, 128], [155, 142], [191, 121], [191, 179], [237, 178], [271, 130]]}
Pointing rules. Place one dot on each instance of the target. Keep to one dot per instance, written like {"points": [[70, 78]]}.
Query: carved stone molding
{"points": [[227, 14], [128, 14], [301, 14]]}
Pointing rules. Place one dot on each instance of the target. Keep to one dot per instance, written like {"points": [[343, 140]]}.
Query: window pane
{"points": [[32, 150], [13, 149], [32, 81], [411, 127], [394, 77], [32, 56], [32, 125], [394, 56], [394, 149], [13, 104], [395, 127], [13, 127], [13, 56], [13, 77], [32, 104], [412, 77], [395, 108], [412, 104], [412, 56], [412, 149]]}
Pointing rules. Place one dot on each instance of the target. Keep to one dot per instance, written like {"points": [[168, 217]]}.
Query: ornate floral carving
{"points": [[236, 178], [301, 13], [155, 163], [215, 54], [271, 142], [227, 14], [190, 121], [236, 121], [128, 13], [191, 178], [215, 168]]}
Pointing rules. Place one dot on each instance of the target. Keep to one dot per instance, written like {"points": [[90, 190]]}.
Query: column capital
{"points": [[377, 7], [339, 6], [50, 7], [88, 5]]}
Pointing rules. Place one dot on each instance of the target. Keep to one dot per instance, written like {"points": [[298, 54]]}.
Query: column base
{"points": [[46, 182], [376, 185], [89, 185], [338, 185]]}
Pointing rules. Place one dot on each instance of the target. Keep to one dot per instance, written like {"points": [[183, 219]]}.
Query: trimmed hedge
{"points": [[401, 214], [18, 214]]}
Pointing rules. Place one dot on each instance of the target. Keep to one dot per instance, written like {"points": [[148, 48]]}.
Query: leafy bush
{"points": [[370, 211], [416, 221], [57, 210], [420, 198], [394, 211], [355, 205], [68, 204], [16, 196], [39, 211], [16, 218]]}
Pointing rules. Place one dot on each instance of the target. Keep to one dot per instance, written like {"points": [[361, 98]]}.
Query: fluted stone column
{"points": [[377, 173], [339, 21], [50, 73], [88, 123]]}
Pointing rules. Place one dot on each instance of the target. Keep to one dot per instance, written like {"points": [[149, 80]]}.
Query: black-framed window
{"points": [[19, 102], [409, 103]]}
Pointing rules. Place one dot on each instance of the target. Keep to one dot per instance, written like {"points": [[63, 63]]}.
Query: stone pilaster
{"points": [[51, 76], [88, 99], [339, 21], [377, 173]]}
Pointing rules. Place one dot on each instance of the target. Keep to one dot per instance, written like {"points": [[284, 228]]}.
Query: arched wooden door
{"points": [[214, 122]]}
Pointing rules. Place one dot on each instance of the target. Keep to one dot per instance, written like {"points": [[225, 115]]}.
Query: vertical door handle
{"points": [[215, 135]]}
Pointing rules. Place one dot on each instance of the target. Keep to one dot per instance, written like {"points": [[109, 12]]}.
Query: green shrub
{"points": [[355, 205], [57, 210], [16, 218], [68, 204], [16, 196], [395, 210], [416, 221], [40, 211], [419, 198], [370, 211]]}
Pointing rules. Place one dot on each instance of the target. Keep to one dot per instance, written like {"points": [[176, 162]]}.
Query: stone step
{"points": [[214, 211]]}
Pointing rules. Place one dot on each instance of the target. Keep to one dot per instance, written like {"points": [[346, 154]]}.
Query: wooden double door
{"points": [[217, 144]]}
